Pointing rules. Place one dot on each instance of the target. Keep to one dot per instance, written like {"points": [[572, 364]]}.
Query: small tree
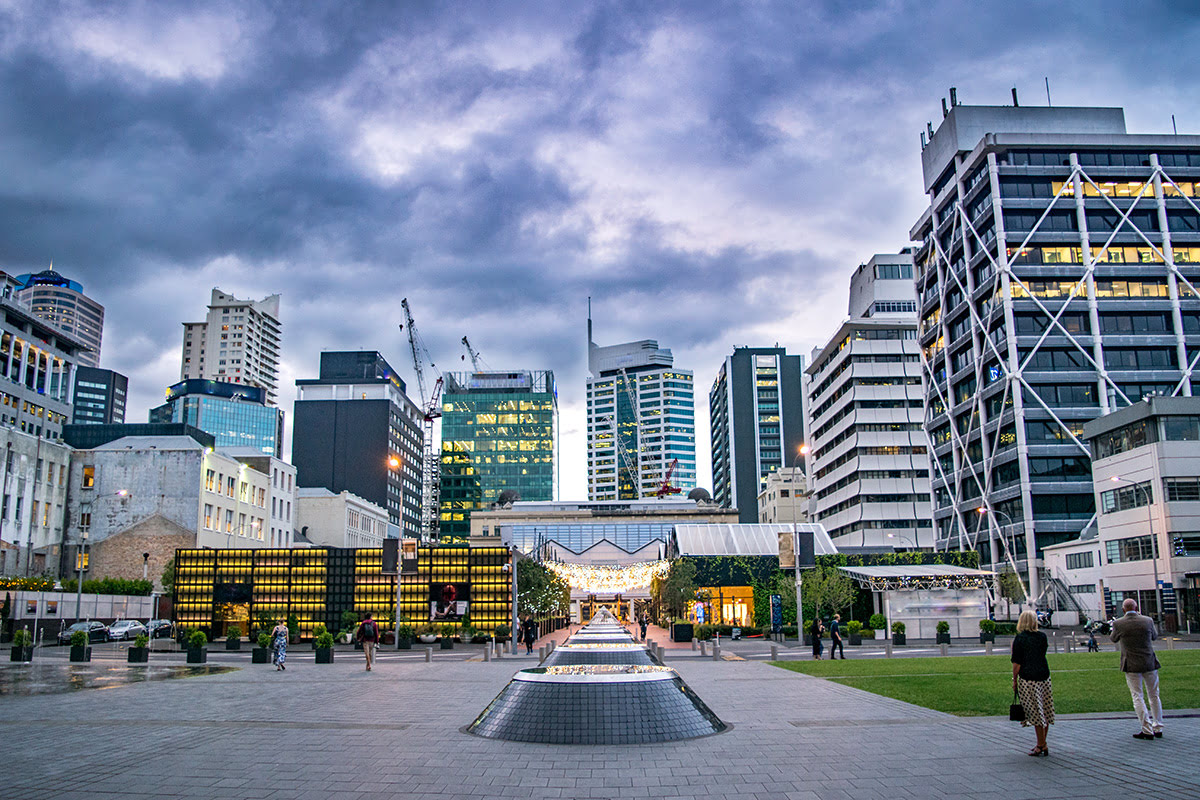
{"points": [[677, 588], [1011, 587], [828, 589], [541, 592], [168, 577]]}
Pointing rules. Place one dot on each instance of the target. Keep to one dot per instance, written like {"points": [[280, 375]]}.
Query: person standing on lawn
{"points": [[835, 638], [1031, 679], [1135, 633], [817, 629], [368, 635]]}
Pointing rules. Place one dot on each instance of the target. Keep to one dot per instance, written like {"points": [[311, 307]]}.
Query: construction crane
{"points": [[476, 361], [666, 487], [622, 451], [431, 409], [635, 412]]}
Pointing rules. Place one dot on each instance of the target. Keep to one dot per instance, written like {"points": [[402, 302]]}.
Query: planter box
{"points": [[138, 655], [427, 638], [389, 638], [943, 638], [984, 638], [447, 643], [855, 639], [21, 654], [197, 655], [682, 632], [324, 655], [80, 654], [236, 644], [899, 639], [260, 655], [404, 643]]}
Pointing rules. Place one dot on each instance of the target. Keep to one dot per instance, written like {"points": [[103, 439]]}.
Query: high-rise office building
{"points": [[360, 433], [757, 423], [237, 415], [499, 431], [38, 361], [868, 458], [100, 396], [1057, 280], [238, 342], [641, 421], [61, 301]]}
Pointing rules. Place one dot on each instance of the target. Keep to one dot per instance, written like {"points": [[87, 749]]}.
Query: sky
{"points": [[710, 174]]}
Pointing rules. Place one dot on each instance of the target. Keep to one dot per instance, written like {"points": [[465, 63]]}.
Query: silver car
{"points": [[125, 629]]}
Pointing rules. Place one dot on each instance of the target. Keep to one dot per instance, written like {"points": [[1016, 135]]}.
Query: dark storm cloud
{"points": [[708, 172]]}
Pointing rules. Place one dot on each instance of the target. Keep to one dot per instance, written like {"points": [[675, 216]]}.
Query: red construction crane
{"points": [[666, 487]]}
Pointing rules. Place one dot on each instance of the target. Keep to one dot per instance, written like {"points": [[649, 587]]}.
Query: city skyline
{"points": [[521, 161]]}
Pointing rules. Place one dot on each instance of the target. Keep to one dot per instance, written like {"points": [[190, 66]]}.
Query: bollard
{"points": [[703, 649], [1170, 642], [945, 648], [429, 654], [659, 652], [1054, 638], [487, 654], [774, 652], [716, 652], [887, 648], [499, 649], [541, 654], [987, 648], [693, 644]]}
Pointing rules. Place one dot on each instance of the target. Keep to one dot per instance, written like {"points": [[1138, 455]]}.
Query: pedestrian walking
{"points": [[644, 622], [1135, 632], [279, 642], [528, 634], [1031, 679], [817, 629], [1093, 647], [368, 635], [835, 638]]}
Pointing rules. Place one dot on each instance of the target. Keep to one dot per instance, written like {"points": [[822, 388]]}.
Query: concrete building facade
{"points": [[1056, 282], [238, 342], [784, 497], [756, 410], [641, 421], [868, 461], [61, 302], [340, 520], [361, 434], [33, 480], [100, 396]]}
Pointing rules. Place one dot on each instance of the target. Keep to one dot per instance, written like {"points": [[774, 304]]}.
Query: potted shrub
{"points": [[262, 653], [196, 654], [233, 638], [318, 629], [324, 642], [428, 635], [80, 651], [682, 631], [447, 638], [22, 646], [293, 626], [501, 633], [140, 652], [898, 636], [854, 628], [878, 624], [943, 632], [987, 631], [405, 634]]}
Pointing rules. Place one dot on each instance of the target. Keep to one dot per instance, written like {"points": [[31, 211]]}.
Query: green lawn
{"points": [[972, 686]]}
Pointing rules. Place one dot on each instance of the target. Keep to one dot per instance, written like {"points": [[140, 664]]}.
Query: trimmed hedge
{"points": [[111, 586]]}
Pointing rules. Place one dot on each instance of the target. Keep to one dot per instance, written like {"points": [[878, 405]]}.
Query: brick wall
{"points": [[120, 555]]}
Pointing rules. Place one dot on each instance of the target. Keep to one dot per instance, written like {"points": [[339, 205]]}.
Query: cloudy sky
{"points": [[709, 173]]}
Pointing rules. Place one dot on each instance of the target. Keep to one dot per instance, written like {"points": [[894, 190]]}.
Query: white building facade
{"points": [[784, 498], [61, 302], [238, 342], [641, 421], [33, 480], [868, 457], [340, 520]]}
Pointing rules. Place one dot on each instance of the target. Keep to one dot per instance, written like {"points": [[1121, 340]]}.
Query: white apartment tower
{"points": [[237, 343], [61, 301], [641, 421], [868, 459]]}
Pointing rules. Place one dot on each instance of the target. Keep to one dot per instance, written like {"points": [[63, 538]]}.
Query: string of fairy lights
{"points": [[596, 579]]}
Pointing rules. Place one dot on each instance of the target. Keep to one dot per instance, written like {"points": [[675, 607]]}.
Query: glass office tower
{"points": [[499, 431], [233, 413]]}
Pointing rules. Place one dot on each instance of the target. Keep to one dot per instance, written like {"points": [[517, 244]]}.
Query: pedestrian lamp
{"points": [[393, 463], [801, 451], [145, 566], [1155, 549]]}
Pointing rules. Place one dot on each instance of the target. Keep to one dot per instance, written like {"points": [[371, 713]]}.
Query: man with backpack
{"points": [[368, 635]]}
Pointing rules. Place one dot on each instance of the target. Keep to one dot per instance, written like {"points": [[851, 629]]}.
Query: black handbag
{"points": [[1016, 711]]}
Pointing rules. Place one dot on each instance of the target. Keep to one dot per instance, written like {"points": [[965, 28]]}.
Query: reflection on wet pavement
{"points": [[30, 679]]}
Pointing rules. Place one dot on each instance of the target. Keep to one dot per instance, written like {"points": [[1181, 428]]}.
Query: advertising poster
{"points": [[449, 602], [776, 613]]}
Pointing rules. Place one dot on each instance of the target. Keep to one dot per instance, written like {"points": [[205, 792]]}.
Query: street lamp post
{"points": [[80, 555], [800, 453], [902, 538], [1155, 548]]}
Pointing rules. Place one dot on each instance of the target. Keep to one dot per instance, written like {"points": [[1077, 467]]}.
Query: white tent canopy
{"points": [[919, 576], [745, 539]]}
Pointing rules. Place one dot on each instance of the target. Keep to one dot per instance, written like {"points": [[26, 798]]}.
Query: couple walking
{"points": [[1134, 632]]}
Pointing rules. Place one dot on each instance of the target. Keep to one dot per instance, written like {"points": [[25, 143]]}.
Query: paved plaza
{"points": [[338, 732]]}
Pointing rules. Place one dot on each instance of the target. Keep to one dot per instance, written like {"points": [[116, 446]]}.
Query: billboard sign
{"points": [[449, 602]]}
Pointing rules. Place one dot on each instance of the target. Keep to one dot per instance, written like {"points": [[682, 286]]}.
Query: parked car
{"points": [[96, 631], [125, 629], [161, 629]]}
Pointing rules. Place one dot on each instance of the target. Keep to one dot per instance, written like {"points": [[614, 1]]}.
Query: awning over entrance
{"points": [[919, 576], [746, 539]]}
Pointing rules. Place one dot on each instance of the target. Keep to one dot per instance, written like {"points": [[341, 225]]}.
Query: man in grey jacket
{"points": [[1135, 632]]}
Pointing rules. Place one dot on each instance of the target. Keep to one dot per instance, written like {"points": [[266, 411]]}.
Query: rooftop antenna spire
{"points": [[1015, 103], [1048, 91], [1174, 129]]}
